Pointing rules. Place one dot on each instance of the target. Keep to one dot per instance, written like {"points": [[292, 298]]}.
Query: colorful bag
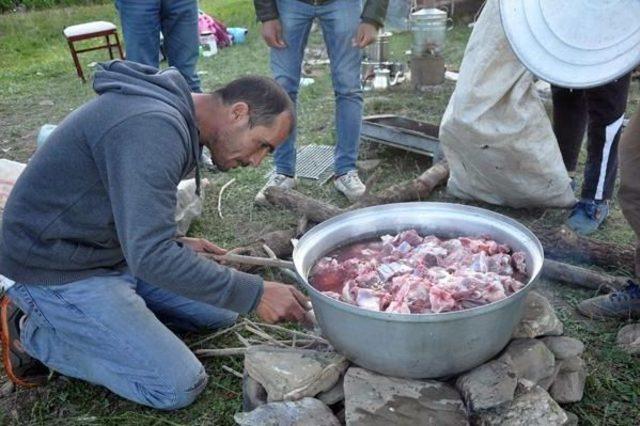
{"points": [[207, 24]]}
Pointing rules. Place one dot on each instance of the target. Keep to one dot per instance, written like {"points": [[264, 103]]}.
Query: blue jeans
{"points": [[339, 20], [109, 330], [142, 21]]}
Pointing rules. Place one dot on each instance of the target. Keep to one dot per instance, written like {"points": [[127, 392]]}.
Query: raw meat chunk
{"points": [[407, 273]]}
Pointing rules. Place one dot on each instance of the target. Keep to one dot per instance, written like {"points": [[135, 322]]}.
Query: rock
{"points": [[563, 347], [539, 318], [488, 386], [307, 411], [253, 393], [530, 359], [290, 374], [572, 419], [570, 365], [372, 400], [548, 381], [533, 408], [333, 395], [568, 387], [629, 339]]}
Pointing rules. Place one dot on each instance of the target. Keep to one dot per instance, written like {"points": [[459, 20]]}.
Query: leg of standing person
{"points": [[626, 302], [606, 106], [103, 330], [339, 21], [629, 192], [296, 18], [569, 124], [179, 21], [140, 21]]}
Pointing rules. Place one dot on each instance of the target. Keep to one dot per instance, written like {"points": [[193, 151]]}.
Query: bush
{"points": [[10, 5]]}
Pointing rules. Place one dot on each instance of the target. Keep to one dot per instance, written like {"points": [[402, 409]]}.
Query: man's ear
{"points": [[240, 112]]}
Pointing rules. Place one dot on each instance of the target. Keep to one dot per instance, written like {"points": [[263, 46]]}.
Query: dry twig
{"points": [[234, 327], [232, 371], [203, 353], [220, 196]]}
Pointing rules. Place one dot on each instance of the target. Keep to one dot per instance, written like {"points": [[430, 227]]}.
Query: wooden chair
{"points": [[90, 30]]}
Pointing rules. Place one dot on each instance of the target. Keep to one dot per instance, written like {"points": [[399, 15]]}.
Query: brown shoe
{"points": [[22, 369]]}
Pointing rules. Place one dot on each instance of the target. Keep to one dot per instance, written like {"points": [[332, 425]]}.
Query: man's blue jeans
{"points": [[110, 330], [142, 21], [339, 20]]}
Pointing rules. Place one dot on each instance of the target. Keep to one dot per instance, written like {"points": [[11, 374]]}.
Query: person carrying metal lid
{"points": [[581, 44]]}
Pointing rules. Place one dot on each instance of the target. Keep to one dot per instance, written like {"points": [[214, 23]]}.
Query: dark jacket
{"points": [[374, 11], [100, 195]]}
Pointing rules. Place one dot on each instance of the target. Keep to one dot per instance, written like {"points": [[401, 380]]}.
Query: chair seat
{"points": [[88, 29]]}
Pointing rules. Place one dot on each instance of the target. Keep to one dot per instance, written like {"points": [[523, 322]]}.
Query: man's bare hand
{"points": [[282, 302], [367, 34], [272, 34], [200, 245]]}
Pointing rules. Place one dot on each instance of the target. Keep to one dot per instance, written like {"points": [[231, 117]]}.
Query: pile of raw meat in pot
{"points": [[408, 273]]}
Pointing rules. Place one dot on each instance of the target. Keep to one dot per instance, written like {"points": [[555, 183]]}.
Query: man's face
{"points": [[238, 145]]}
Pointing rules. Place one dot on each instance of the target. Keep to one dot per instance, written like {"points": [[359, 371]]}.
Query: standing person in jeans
{"points": [[142, 21], [602, 110], [347, 27]]}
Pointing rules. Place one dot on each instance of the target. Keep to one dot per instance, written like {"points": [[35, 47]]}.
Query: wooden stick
{"points": [[296, 332], [242, 339], [249, 260], [220, 196], [220, 352], [264, 335], [581, 277], [219, 333], [232, 371], [270, 253]]}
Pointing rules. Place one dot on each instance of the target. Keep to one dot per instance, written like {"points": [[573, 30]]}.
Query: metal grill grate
{"points": [[314, 162]]}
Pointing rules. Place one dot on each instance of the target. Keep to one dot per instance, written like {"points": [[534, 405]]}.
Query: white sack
{"points": [[495, 132]]}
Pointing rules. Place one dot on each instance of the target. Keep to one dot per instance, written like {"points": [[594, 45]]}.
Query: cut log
{"points": [[581, 277], [317, 211], [563, 244], [416, 189]]}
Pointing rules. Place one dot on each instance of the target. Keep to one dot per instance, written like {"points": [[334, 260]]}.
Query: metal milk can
{"points": [[429, 28]]}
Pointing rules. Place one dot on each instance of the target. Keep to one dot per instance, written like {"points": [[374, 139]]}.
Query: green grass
{"points": [[38, 85]]}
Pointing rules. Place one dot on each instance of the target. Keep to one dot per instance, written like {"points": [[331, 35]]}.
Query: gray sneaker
{"points": [[350, 185], [276, 179], [624, 303]]}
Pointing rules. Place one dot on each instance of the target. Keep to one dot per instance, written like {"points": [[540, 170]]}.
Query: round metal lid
{"points": [[429, 13], [574, 43]]}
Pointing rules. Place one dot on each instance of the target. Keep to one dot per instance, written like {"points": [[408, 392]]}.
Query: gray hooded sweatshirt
{"points": [[100, 195]]}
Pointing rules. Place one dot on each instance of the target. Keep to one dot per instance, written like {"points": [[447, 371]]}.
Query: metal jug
{"points": [[381, 79]]}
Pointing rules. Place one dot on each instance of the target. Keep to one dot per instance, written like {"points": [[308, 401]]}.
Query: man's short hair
{"points": [[264, 96]]}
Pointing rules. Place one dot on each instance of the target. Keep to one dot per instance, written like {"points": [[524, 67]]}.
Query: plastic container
{"points": [[238, 34], [208, 44]]}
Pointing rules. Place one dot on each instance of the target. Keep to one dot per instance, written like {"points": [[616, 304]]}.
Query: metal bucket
{"points": [[417, 345]]}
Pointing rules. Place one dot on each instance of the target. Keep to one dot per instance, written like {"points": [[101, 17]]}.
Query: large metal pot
{"points": [[417, 345]]}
